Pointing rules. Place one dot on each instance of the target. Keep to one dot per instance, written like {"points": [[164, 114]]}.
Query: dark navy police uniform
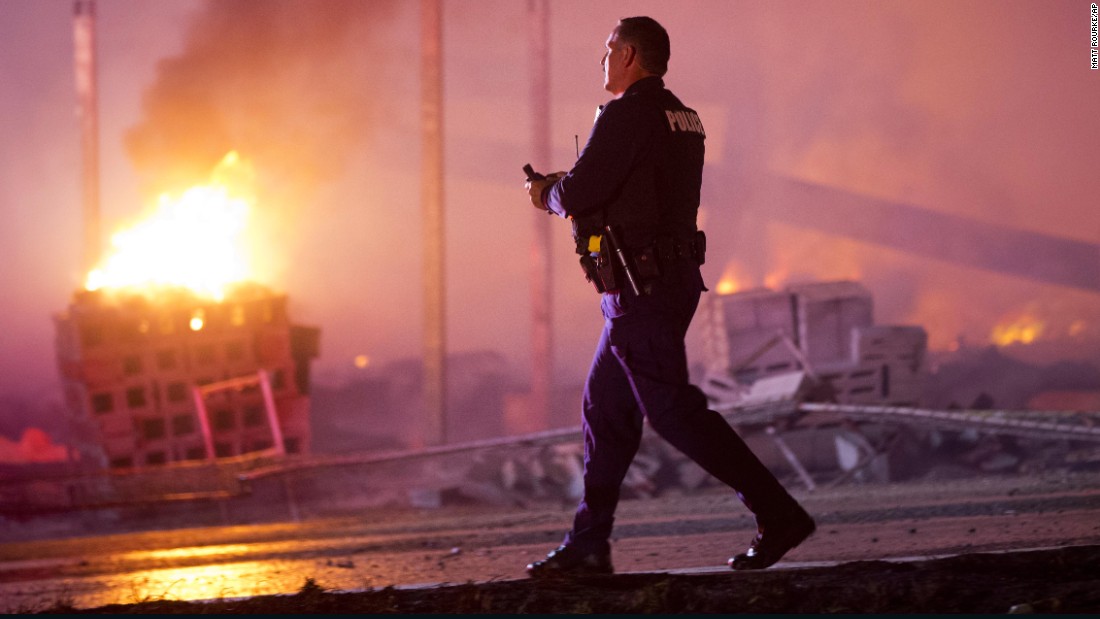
{"points": [[641, 171]]}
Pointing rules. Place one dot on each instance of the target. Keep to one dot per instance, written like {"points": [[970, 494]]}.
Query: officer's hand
{"points": [[535, 188]]}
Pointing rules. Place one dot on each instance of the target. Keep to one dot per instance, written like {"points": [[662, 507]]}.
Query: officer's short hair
{"points": [[651, 41]]}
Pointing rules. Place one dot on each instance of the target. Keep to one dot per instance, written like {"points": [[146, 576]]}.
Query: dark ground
{"points": [[1064, 580], [871, 554]]}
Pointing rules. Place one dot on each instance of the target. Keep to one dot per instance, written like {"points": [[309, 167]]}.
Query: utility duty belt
{"points": [[611, 267]]}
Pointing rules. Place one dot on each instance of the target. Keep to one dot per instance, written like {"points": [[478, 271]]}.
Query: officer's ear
{"points": [[630, 55]]}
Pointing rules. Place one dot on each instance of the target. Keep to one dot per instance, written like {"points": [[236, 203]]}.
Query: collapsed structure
{"points": [[154, 380], [822, 331], [128, 367]]}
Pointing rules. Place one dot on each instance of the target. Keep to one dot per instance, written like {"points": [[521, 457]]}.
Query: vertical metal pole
{"points": [[291, 498], [272, 414], [431, 118], [204, 422], [542, 342], [84, 58]]}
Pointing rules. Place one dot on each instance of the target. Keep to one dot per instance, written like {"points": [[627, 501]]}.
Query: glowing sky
{"points": [[982, 109]]}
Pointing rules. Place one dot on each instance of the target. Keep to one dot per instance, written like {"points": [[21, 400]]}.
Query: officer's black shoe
{"points": [[566, 560], [775, 540]]}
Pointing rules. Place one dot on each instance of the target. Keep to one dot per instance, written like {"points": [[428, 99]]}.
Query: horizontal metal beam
{"points": [[1071, 425], [548, 437]]}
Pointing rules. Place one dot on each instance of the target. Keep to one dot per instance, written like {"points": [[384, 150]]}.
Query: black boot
{"points": [[566, 560], [775, 539]]}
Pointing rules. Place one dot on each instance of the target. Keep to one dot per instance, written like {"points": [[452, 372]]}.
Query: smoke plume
{"points": [[293, 86], [935, 172]]}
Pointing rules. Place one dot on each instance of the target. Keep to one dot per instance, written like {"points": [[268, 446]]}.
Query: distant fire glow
{"points": [[1023, 329], [776, 279], [198, 319], [736, 279], [733, 280], [194, 241]]}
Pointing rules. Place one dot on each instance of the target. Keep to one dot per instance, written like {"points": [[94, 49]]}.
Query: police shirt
{"points": [[641, 169]]}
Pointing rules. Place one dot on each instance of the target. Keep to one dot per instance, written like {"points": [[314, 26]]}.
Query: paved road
{"points": [[462, 544]]}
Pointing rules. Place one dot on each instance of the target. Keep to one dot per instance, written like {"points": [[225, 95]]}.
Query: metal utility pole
{"points": [[431, 121], [542, 296], [84, 58]]}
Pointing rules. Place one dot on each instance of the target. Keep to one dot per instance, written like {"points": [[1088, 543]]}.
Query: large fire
{"points": [[196, 241]]}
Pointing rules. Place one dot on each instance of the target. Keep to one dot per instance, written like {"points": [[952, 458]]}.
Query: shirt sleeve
{"points": [[617, 140]]}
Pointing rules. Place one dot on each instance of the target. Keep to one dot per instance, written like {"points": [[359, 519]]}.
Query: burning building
{"points": [[152, 381], [173, 352]]}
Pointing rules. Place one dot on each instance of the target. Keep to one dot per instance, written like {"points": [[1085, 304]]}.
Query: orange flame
{"points": [[195, 241], [1023, 329], [733, 280]]}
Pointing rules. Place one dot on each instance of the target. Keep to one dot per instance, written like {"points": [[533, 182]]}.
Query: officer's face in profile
{"points": [[613, 73]]}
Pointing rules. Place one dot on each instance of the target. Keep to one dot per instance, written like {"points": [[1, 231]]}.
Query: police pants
{"points": [[640, 372]]}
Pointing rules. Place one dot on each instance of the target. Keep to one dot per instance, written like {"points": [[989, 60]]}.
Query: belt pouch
{"points": [[605, 266], [646, 263], [592, 273], [699, 247]]}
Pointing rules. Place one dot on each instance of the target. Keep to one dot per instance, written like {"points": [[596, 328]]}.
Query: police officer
{"points": [[634, 191]]}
